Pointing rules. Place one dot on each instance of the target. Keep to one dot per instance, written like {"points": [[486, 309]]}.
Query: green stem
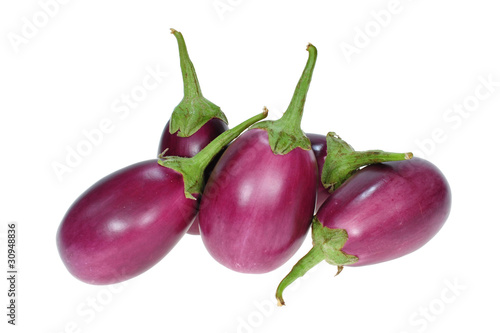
{"points": [[194, 110], [342, 161], [327, 245], [205, 156], [285, 133], [192, 168], [311, 259], [293, 114], [191, 84]]}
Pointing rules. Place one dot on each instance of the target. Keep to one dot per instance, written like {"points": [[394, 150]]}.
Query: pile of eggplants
{"points": [[252, 192]]}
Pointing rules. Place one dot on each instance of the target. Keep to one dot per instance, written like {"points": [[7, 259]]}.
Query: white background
{"points": [[66, 76]]}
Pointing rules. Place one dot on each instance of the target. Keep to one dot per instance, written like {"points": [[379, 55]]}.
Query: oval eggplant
{"points": [[256, 209], [383, 212], [318, 145], [125, 223], [257, 206], [389, 209]]}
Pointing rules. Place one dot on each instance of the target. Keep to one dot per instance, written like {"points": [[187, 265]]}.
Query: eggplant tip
{"points": [[265, 111], [163, 154], [172, 30], [408, 156]]}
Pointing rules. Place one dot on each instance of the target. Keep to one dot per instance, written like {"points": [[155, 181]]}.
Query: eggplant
{"points": [[257, 206], [129, 220], [195, 122], [318, 145], [383, 212], [125, 223]]}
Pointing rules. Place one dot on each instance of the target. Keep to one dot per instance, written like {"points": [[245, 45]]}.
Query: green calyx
{"points": [[192, 168], [327, 245], [331, 242], [285, 133], [342, 161], [194, 110]]}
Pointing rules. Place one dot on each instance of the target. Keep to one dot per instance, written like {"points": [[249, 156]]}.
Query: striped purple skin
{"points": [[257, 207], [125, 223], [318, 144], [389, 209], [190, 146]]}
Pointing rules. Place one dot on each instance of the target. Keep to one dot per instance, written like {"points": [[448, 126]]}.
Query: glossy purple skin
{"points": [[388, 209], [318, 144], [125, 223], [257, 207], [190, 146]]}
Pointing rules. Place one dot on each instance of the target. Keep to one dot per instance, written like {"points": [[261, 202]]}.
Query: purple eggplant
{"points": [[383, 212], [125, 223], [318, 145], [195, 122], [128, 221], [257, 206]]}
